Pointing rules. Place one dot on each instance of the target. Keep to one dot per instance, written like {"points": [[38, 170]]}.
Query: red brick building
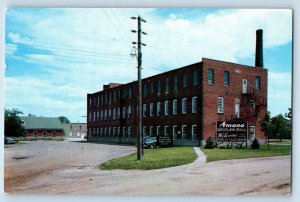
{"points": [[184, 103]]}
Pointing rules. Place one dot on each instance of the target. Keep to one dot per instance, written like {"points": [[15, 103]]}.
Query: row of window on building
{"points": [[115, 113], [177, 132], [44, 133], [110, 97]]}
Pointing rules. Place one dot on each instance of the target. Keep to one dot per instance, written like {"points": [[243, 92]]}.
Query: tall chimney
{"points": [[259, 57]]}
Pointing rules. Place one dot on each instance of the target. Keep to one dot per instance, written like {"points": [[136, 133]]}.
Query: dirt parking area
{"points": [[71, 167]]}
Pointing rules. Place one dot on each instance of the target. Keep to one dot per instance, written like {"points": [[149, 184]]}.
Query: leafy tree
{"points": [[266, 126], [289, 114], [13, 123], [279, 128], [64, 119]]}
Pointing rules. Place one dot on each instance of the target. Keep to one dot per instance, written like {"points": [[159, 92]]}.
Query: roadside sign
{"points": [[233, 131], [164, 141]]}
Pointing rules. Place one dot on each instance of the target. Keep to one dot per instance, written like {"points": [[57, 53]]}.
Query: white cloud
{"points": [[86, 48], [279, 92]]}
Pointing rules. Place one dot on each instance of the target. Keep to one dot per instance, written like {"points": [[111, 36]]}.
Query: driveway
{"points": [[48, 167]]}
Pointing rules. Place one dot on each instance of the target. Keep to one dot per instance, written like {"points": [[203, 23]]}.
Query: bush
{"points": [[209, 143], [255, 144]]}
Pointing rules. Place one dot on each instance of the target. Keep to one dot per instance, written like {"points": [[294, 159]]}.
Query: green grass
{"points": [[153, 159], [235, 153]]}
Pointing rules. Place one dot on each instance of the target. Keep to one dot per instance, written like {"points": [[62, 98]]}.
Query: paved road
{"points": [[72, 168]]}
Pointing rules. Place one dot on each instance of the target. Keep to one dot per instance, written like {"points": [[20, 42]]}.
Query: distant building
{"points": [[75, 130], [42, 127]]}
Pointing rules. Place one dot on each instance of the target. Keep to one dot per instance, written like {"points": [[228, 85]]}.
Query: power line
{"points": [[114, 25]]}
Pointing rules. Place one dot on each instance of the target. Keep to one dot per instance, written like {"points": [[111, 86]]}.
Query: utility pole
{"points": [[139, 61]]}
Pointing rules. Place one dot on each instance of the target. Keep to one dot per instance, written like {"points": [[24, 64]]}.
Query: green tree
{"points": [[289, 114], [279, 128], [64, 119], [13, 123], [266, 126]]}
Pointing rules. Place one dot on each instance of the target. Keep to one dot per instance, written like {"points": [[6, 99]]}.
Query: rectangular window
{"points": [[144, 110], [151, 109], [184, 80], [145, 131], [211, 76], [194, 104], [183, 107], [129, 111], [195, 78], [109, 131], [166, 107], [145, 89], [157, 130], [114, 131], [167, 85], [115, 94], [114, 113], [101, 99], [45, 133], [94, 118], [124, 113], [101, 131], [119, 130], [151, 131], [166, 132], [183, 132], [220, 105], [174, 107], [105, 132], [90, 116], [158, 86], [105, 114], [90, 102], [118, 113], [129, 131], [53, 133], [158, 109], [257, 83], [175, 132], [124, 132], [151, 88], [194, 132], [226, 78], [175, 83], [109, 113]]}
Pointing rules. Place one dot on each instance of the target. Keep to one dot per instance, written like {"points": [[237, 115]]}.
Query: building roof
{"points": [[32, 122]]}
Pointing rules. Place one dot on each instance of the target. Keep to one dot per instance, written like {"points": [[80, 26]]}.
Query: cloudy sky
{"points": [[54, 57]]}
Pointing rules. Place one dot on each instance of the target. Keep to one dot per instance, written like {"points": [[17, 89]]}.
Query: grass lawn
{"points": [[153, 159], [235, 153]]}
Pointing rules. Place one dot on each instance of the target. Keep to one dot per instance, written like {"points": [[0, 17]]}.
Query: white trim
{"points": [[194, 133], [166, 108], [175, 106], [183, 134], [174, 133], [220, 105], [194, 104]]}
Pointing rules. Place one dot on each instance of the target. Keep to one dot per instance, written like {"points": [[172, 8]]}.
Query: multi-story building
{"points": [[184, 103]]}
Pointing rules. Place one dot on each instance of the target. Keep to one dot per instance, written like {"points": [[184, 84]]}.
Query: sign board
{"points": [[164, 141], [233, 131]]}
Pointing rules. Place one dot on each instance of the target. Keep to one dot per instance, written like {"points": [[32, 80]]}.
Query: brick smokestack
{"points": [[259, 57]]}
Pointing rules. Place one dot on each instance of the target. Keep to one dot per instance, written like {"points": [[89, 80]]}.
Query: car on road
{"points": [[9, 140], [150, 142]]}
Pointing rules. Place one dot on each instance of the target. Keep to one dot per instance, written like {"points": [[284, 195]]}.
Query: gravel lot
{"points": [[49, 167]]}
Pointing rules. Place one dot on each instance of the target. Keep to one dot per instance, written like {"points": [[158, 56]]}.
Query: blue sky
{"points": [[55, 57]]}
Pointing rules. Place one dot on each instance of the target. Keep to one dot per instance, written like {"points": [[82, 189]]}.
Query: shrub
{"points": [[209, 143], [255, 144]]}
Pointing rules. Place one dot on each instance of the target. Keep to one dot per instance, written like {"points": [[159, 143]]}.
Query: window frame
{"points": [[226, 76], [194, 105], [211, 76], [166, 108], [184, 106], [220, 108], [175, 107]]}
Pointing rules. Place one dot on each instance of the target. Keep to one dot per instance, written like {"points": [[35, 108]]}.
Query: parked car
{"points": [[150, 142], [9, 140]]}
